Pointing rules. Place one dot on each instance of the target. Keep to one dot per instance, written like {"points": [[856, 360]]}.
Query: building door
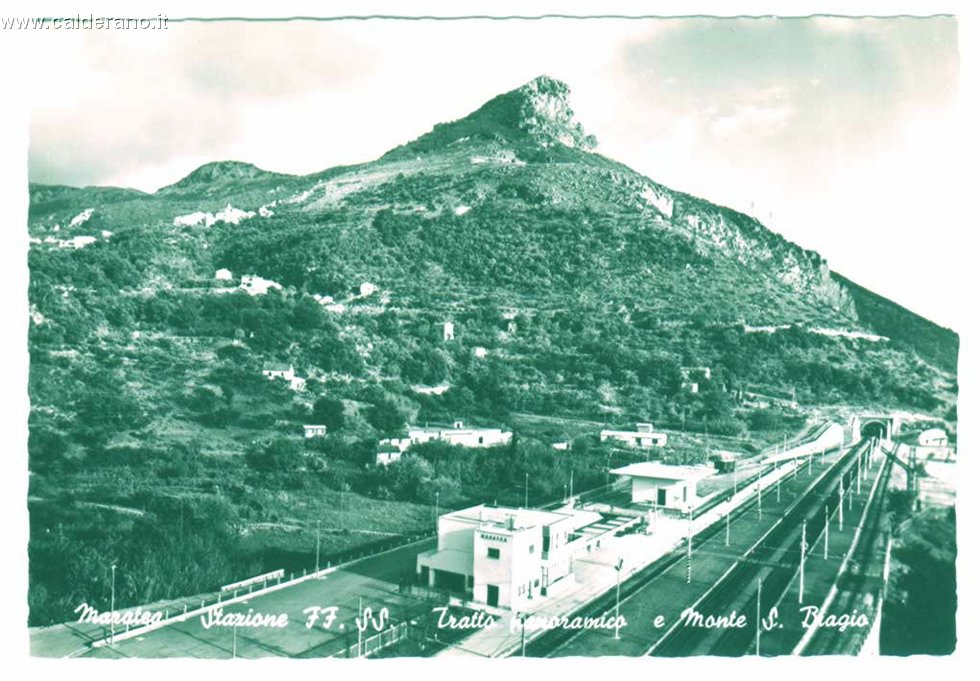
{"points": [[662, 496], [493, 595]]}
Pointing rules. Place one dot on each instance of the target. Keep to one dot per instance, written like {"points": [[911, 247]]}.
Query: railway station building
{"points": [[503, 555], [664, 485]]}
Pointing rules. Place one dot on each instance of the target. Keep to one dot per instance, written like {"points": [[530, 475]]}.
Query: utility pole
{"points": [[318, 545], [758, 615], [525, 489], [779, 480], [758, 498], [112, 608], [619, 567], [840, 504], [690, 525], [360, 623], [802, 558], [437, 506], [826, 531], [728, 525], [860, 456]]}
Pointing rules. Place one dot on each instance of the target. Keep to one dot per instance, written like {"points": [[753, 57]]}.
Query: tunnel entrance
{"points": [[874, 429]]}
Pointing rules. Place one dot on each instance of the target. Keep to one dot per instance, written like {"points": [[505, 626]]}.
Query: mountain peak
{"points": [[219, 171], [536, 113]]}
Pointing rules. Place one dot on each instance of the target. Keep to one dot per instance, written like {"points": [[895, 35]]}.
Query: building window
{"points": [[493, 553], [537, 582], [530, 549]]}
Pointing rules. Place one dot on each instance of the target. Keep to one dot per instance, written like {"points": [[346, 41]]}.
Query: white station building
{"points": [[664, 485], [500, 556]]}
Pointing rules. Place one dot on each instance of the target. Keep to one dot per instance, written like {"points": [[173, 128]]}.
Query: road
{"points": [[371, 582]]}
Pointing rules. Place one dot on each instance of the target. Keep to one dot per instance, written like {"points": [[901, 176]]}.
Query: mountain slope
{"points": [[577, 288]]}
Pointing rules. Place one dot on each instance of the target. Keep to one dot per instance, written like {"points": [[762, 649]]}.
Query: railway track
{"points": [[764, 550], [763, 575], [857, 589]]}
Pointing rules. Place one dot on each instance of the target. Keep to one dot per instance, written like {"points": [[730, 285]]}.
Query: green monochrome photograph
{"points": [[482, 332]]}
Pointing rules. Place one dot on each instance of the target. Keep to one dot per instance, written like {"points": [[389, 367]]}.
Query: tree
{"points": [[278, 456], [308, 314], [410, 477], [386, 417], [329, 412]]}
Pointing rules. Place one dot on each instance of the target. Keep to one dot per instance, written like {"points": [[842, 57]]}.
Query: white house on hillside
{"points": [[643, 437], [285, 372], [314, 431], [257, 286], [457, 434]]}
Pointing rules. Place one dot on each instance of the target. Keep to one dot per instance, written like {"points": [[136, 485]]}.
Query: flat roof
{"points": [[448, 560], [642, 433], [454, 429], [663, 471], [524, 518]]}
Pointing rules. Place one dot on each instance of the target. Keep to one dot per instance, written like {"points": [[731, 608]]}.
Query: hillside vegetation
{"points": [[577, 288]]}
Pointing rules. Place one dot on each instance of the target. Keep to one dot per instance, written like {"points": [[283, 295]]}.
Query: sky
{"points": [[835, 132]]}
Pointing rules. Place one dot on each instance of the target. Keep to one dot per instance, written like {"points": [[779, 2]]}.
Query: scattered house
{"points": [[314, 431], [724, 461], [479, 353], [692, 376], [448, 331], [643, 437], [323, 300], [505, 557], [690, 373], [457, 434], [78, 242], [285, 372], [257, 286], [561, 446], [367, 289], [933, 444], [387, 454], [662, 484], [223, 275], [933, 437], [760, 400], [275, 370], [431, 389]]}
